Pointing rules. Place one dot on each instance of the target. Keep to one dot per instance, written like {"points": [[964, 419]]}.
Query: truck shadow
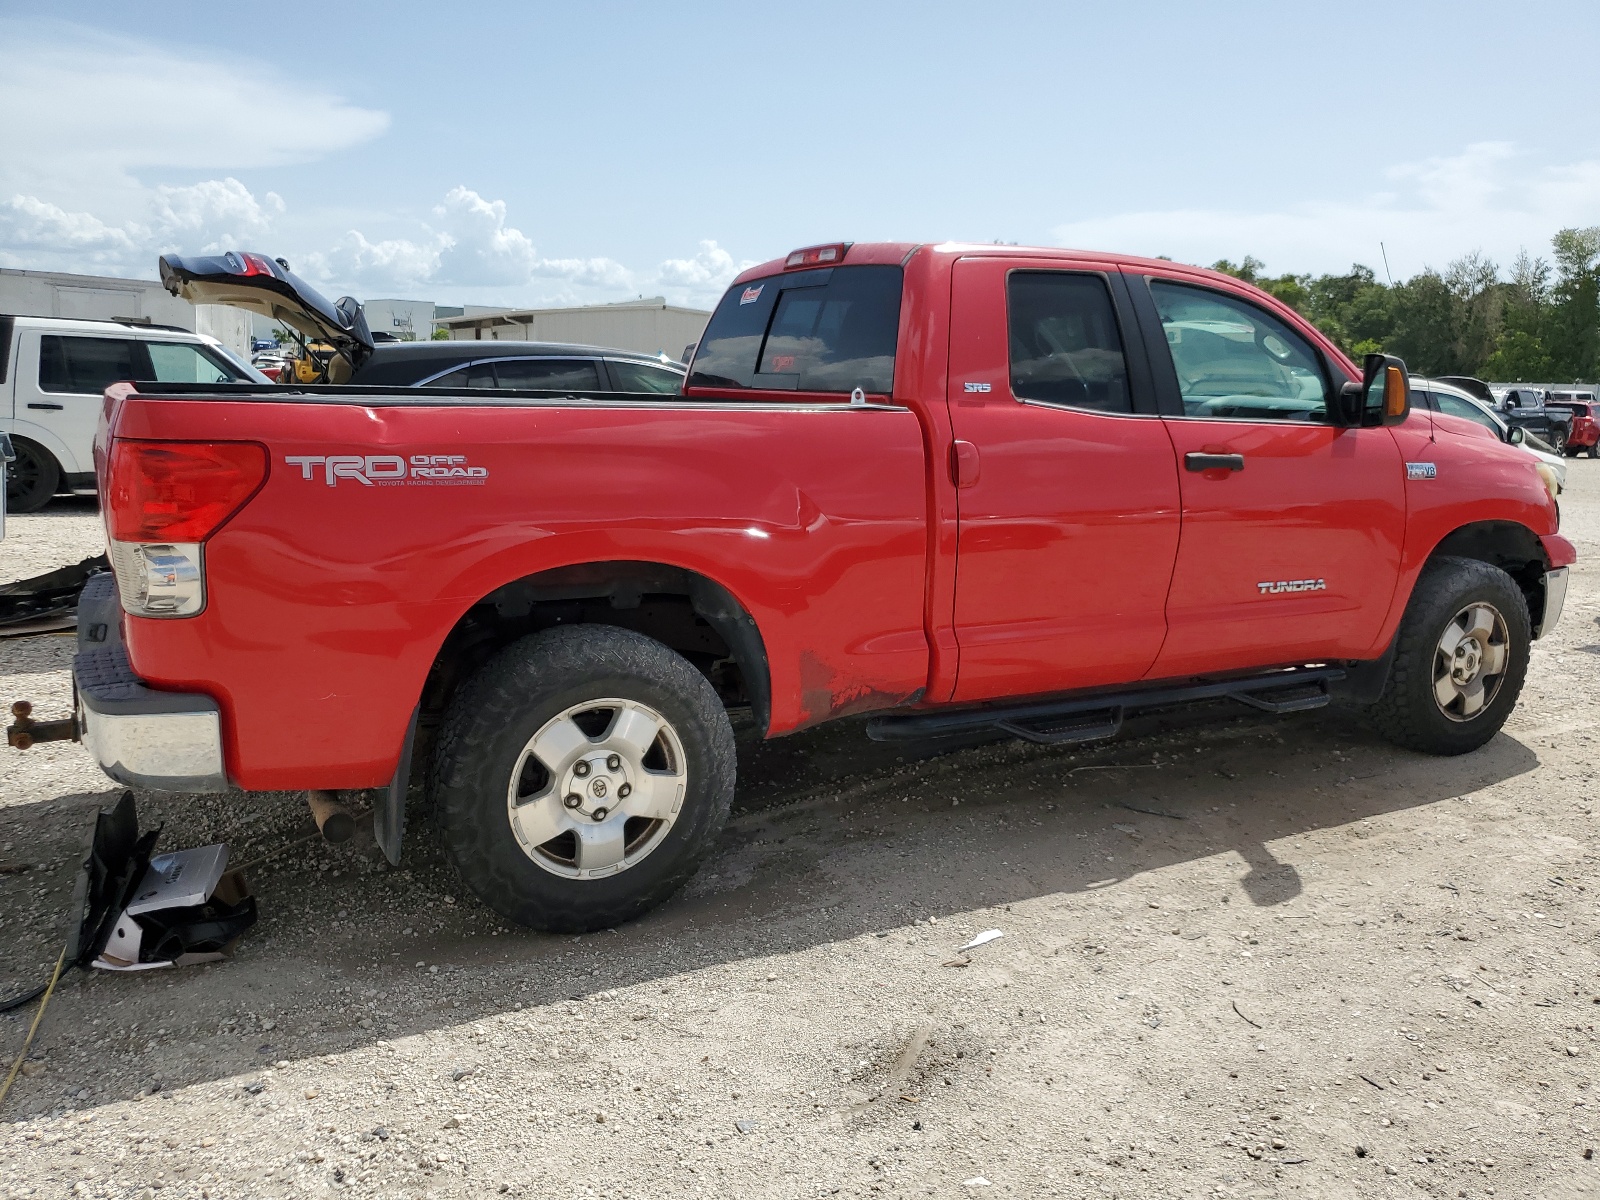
{"points": [[832, 838]]}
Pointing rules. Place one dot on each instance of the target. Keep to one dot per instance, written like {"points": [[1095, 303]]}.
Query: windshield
{"points": [[832, 330]]}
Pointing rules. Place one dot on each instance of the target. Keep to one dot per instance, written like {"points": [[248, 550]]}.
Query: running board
{"points": [[1094, 718]]}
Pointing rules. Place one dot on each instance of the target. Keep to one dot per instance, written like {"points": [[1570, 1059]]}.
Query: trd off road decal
{"points": [[388, 470], [1292, 585]]}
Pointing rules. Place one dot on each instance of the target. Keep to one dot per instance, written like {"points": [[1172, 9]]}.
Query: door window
{"points": [[185, 362], [571, 374], [642, 377], [1065, 346], [86, 366], [1237, 362]]}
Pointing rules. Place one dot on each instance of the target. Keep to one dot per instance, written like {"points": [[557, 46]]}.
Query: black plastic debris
{"points": [[46, 603]]}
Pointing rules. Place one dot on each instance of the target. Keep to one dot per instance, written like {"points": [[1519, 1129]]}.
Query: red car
{"points": [[957, 487], [1585, 432]]}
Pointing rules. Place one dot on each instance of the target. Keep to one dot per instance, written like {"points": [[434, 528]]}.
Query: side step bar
{"points": [[1093, 718]]}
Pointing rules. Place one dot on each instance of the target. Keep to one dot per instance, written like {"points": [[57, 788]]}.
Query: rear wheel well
{"points": [[685, 611], [1514, 548]]}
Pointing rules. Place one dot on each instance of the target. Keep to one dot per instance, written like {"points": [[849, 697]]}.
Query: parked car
{"points": [[1524, 408], [1161, 485], [1454, 401], [340, 349], [53, 373], [1584, 433]]}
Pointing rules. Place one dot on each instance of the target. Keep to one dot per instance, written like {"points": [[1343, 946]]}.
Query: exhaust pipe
{"points": [[337, 823]]}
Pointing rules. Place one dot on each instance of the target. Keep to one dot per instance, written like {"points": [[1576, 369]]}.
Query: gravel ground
{"points": [[1253, 958]]}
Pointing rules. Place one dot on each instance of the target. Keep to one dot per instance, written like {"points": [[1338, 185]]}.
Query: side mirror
{"points": [[1386, 388], [1517, 436]]}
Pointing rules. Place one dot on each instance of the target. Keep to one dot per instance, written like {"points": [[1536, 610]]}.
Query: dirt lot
{"points": [[1255, 958]]}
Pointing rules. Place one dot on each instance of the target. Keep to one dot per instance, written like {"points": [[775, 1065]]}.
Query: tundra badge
{"points": [[1421, 471], [1292, 585]]}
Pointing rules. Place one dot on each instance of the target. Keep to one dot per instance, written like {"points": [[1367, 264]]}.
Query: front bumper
{"points": [[1555, 597], [164, 741]]}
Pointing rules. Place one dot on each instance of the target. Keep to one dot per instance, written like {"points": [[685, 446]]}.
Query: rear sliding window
{"points": [[832, 330]]}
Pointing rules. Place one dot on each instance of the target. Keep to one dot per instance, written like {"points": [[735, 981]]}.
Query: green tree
{"points": [[1574, 323]]}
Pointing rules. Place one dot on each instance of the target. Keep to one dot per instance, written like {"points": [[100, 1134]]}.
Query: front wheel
{"points": [[1460, 661], [582, 776]]}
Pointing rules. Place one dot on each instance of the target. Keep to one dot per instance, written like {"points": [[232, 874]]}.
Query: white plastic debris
{"points": [[983, 939]]}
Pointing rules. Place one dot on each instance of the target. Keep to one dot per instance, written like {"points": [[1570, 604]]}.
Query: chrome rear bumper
{"points": [[164, 741]]}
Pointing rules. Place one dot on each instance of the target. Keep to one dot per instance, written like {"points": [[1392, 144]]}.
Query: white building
{"points": [[105, 298], [646, 326], [407, 320]]}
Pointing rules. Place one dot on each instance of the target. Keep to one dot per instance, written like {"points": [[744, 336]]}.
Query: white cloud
{"points": [[218, 214], [86, 113], [94, 122], [1425, 213], [471, 249], [711, 267], [84, 110]]}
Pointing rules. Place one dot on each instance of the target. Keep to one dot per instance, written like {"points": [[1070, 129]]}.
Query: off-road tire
{"points": [[1407, 713], [491, 720], [33, 479]]}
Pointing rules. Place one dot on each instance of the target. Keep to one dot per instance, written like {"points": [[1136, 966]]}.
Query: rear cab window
{"points": [[831, 330]]}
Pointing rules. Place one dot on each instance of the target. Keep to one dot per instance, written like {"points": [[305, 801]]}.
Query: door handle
{"points": [[51, 407], [1195, 461], [963, 463]]}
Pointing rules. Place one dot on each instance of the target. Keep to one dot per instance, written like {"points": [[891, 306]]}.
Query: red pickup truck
{"points": [[958, 487]]}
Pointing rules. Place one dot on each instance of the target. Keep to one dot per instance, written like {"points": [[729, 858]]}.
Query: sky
{"points": [[537, 153]]}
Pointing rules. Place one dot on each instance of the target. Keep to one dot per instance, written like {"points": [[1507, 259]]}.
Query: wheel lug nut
{"points": [[614, 762], [599, 814], [572, 800], [580, 769], [625, 791]]}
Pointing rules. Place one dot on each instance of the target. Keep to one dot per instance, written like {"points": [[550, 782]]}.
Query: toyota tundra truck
{"points": [[963, 489]]}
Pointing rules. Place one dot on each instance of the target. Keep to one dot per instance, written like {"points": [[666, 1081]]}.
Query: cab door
{"points": [[1292, 527], [1067, 490]]}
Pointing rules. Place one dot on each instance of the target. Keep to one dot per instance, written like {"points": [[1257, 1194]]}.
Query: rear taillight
{"points": [[162, 501], [179, 491]]}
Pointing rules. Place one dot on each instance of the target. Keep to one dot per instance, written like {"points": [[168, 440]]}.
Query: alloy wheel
{"points": [[1470, 661], [597, 788]]}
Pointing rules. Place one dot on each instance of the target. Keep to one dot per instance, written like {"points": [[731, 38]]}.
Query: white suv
{"points": [[53, 371]]}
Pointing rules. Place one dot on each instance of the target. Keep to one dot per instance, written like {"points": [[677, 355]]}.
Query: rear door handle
{"points": [[963, 463], [51, 407], [1195, 461]]}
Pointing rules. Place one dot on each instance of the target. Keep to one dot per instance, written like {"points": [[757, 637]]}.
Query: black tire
{"points": [[496, 714], [1558, 442], [33, 479], [1408, 713], [1594, 450]]}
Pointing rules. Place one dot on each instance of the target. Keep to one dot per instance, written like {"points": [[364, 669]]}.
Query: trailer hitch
{"points": [[26, 731]]}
